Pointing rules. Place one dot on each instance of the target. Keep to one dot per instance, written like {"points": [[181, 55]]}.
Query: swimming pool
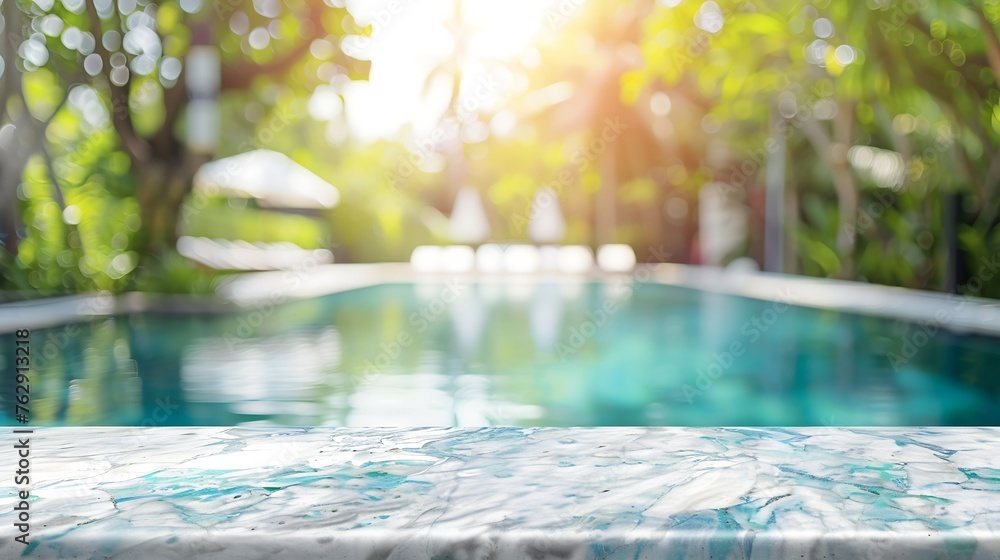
{"points": [[517, 352]]}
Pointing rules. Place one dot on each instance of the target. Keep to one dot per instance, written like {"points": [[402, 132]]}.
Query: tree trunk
{"points": [[12, 156], [162, 187], [604, 208], [953, 273], [791, 252], [775, 199], [834, 153], [847, 196], [847, 191], [13, 159], [652, 221], [10, 178]]}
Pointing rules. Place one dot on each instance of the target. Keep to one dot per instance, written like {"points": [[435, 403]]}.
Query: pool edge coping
{"points": [[954, 312]]}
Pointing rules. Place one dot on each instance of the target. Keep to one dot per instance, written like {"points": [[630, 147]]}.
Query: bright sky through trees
{"points": [[408, 40]]}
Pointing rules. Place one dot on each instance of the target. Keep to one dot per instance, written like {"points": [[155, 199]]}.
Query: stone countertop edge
{"points": [[464, 493]]}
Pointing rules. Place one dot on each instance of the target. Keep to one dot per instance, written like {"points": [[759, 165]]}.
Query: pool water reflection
{"points": [[512, 353]]}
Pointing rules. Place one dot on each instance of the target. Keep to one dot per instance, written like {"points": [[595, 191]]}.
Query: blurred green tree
{"points": [[100, 89], [896, 101]]}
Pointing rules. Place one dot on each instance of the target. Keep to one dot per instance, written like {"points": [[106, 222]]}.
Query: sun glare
{"points": [[409, 39]]}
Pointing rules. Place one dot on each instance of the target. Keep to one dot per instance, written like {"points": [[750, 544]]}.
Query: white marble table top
{"points": [[311, 493]]}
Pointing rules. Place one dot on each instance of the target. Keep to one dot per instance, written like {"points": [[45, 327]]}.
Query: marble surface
{"points": [[447, 493]]}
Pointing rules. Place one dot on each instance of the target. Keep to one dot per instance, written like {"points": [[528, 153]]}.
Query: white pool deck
{"points": [[954, 312]]}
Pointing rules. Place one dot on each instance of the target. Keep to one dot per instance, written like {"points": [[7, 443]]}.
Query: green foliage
{"points": [[85, 83], [61, 252], [223, 219], [171, 273], [982, 255], [909, 78]]}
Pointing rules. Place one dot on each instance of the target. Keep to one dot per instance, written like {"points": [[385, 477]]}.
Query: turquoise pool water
{"points": [[512, 353]]}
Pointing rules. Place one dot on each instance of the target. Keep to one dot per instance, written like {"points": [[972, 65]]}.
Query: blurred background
{"points": [[160, 146], [176, 147]]}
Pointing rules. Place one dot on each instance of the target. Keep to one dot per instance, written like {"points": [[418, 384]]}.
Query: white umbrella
{"points": [[468, 218], [268, 176], [546, 224]]}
